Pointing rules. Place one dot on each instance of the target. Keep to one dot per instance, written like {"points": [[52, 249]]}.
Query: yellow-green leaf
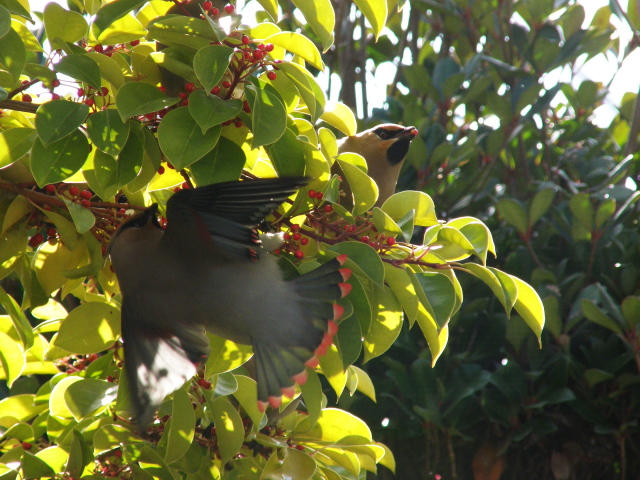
{"points": [[321, 18], [386, 327], [298, 44], [65, 24], [530, 307], [90, 328], [340, 116], [375, 11], [399, 204]]}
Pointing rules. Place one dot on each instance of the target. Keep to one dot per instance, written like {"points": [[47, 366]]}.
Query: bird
{"points": [[210, 271], [384, 148]]}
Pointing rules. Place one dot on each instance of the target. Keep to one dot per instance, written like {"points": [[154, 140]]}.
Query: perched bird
{"points": [[210, 270], [384, 148]]}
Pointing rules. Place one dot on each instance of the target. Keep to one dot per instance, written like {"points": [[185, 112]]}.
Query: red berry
{"points": [[271, 75], [122, 211], [226, 84], [262, 46], [81, 92], [245, 107], [27, 98], [286, 236], [269, 47], [55, 96], [90, 102], [304, 241], [295, 227], [245, 40], [36, 240], [26, 445], [190, 87], [299, 254], [297, 236], [162, 88], [170, 166], [135, 42], [86, 194], [319, 195], [246, 55], [364, 239], [85, 203], [185, 102], [238, 123], [277, 251], [55, 83], [98, 48], [73, 190], [215, 90], [50, 188], [117, 453], [391, 241], [185, 186], [312, 194], [328, 208], [206, 384], [51, 232], [257, 55], [299, 447], [110, 378], [105, 91], [207, 6], [182, 95], [229, 9], [160, 170], [215, 11]]}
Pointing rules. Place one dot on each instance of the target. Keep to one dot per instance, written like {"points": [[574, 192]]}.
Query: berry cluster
{"points": [[109, 50], [75, 363], [110, 464]]}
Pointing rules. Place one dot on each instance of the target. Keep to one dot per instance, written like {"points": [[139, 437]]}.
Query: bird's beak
{"points": [[409, 133]]}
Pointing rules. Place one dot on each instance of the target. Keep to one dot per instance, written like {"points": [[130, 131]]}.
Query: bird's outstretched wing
{"points": [[227, 213]]}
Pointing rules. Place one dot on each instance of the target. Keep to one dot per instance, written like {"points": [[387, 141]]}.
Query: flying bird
{"points": [[384, 148], [210, 270]]}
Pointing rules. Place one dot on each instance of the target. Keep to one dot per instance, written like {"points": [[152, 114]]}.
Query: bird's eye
{"points": [[383, 133]]}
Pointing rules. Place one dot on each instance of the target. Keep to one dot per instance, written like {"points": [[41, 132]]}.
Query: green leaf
{"points": [[333, 369], [271, 7], [181, 428], [210, 64], [340, 116], [12, 358], [58, 118], [82, 68], [16, 8], [593, 313], [287, 155], [365, 191], [365, 258], [181, 139], [112, 11], [210, 110], [82, 217], [222, 164], [295, 464], [269, 116], [5, 21], [509, 288], [298, 44], [129, 160], [35, 468], [21, 407], [441, 295], [631, 311], [107, 132], [123, 30], [304, 84], [384, 223], [89, 397], [399, 205], [65, 24], [110, 70], [246, 395], [80, 455], [582, 209], [138, 98], [225, 356], [375, 11], [540, 204], [181, 31], [229, 428], [321, 18], [332, 426], [100, 173], [15, 143], [13, 55], [605, 211], [59, 160], [386, 327], [514, 214], [90, 328], [530, 307]]}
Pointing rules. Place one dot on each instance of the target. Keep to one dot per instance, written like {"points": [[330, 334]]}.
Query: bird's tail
{"points": [[279, 367]]}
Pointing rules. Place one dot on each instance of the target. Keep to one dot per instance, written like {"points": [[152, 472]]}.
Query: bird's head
{"points": [[135, 229], [387, 142]]}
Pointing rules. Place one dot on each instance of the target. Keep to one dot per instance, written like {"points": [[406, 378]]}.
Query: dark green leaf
{"points": [[59, 118], [80, 67], [210, 63], [14, 144], [222, 164], [138, 98], [287, 155], [13, 54], [211, 110], [269, 120], [59, 160], [107, 132]]}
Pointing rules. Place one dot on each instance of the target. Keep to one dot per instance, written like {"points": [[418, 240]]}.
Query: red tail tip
{"points": [[332, 327], [289, 392], [342, 258], [312, 362], [345, 288], [321, 351], [338, 311], [346, 273], [300, 378], [262, 406], [275, 402]]}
